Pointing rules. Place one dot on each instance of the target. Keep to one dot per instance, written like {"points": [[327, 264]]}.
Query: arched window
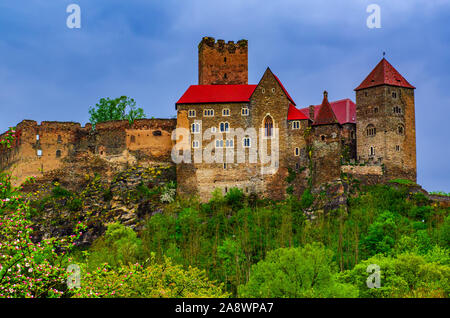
{"points": [[400, 129], [372, 151], [224, 127], [268, 126], [371, 130]]}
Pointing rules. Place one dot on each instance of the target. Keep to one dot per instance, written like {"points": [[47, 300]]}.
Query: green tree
{"points": [[115, 109], [153, 281], [296, 273]]}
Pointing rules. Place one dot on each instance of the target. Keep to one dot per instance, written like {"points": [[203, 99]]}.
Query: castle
{"points": [[229, 133]]}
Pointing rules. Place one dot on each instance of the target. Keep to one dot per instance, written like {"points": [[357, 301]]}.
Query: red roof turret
{"points": [[384, 74], [326, 115]]}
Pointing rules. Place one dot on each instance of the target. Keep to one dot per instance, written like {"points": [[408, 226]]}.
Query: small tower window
{"points": [[397, 110], [371, 130], [297, 151], [58, 153], [397, 148], [400, 130], [59, 139], [375, 110], [322, 137], [372, 151], [394, 95], [37, 137], [39, 152], [224, 59], [247, 142], [195, 144], [225, 76]]}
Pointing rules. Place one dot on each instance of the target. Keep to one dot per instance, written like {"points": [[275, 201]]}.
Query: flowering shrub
{"points": [[27, 268], [152, 281], [168, 193], [8, 138]]}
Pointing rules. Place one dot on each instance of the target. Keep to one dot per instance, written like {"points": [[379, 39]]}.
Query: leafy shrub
{"points": [[235, 198], [153, 281], [296, 272]]}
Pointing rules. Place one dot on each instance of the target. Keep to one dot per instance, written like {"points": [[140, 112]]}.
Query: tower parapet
{"points": [[222, 63]]}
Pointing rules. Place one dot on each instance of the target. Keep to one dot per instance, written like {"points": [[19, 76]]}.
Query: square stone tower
{"points": [[222, 63], [385, 122]]}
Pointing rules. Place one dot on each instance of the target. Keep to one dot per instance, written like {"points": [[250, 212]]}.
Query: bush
{"points": [[296, 272], [153, 281], [235, 198]]}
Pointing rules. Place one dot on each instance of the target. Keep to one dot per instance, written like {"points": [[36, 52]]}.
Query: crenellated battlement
{"points": [[222, 45]]}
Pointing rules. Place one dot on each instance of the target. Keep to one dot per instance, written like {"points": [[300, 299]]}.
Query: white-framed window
{"points": [[195, 128], [229, 143], [213, 129], [191, 113], [226, 112], [224, 127], [195, 144], [273, 89], [372, 151], [297, 151], [37, 137], [263, 90], [39, 152], [219, 143], [296, 124], [245, 111], [208, 112], [247, 142]]}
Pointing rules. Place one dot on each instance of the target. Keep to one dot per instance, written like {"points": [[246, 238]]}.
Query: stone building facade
{"points": [[251, 136], [315, 144]]}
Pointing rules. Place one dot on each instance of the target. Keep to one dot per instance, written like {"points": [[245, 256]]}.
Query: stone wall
{"points": [[390, 110], [50, 146], [222, 63]]}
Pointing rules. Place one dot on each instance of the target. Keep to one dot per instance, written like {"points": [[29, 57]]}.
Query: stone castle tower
{"points": [[386, 121], [222, 63]]}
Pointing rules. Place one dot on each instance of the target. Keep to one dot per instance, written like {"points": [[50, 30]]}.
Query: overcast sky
{"points": [[147, 49]]}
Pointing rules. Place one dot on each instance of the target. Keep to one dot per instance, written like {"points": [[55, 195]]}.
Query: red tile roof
{"points": [[325, 115], [198, 94], [284, 90], [344, 109], [295, 114], [384, 74]]}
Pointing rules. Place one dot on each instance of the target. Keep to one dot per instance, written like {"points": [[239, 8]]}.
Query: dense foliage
{"points": [[235, 245]]}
